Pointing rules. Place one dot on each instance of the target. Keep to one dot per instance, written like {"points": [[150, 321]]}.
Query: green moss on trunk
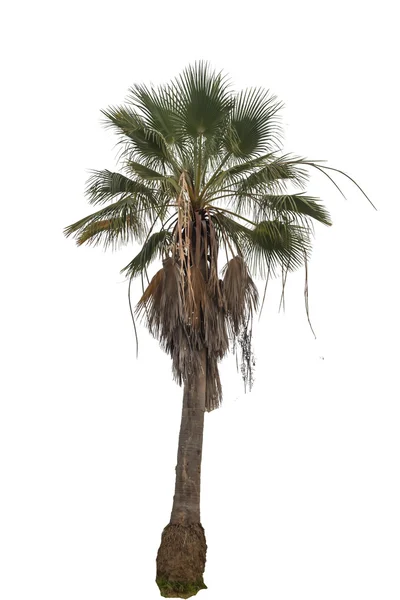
{"points": [[179, 589]]}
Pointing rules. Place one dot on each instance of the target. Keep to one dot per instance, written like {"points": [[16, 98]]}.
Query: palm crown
{"points": [[202, 171]]}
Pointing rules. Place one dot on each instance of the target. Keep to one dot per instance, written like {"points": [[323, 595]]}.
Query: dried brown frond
{"points": [[240, 293], [241, 301], [161, 301], [189, 309], [92, 229]]}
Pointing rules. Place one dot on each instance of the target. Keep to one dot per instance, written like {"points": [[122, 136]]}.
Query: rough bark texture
{"points": [[182, 554], [181, 560]]}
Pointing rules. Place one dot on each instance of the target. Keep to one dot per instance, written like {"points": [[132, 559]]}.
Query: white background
{"points": [[300, 480]]}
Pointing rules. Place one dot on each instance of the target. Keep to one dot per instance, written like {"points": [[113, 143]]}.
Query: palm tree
{"points": [[202, 178]]}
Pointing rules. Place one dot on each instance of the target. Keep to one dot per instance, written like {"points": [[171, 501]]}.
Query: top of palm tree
{"points": [[202, 169]]}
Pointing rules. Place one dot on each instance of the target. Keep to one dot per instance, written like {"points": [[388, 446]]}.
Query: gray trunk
{"points": [[186, 505]]}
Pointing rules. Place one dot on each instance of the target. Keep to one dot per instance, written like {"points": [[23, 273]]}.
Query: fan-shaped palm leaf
{"points": [[156, 245], [159, 107], [254, 126], [270, 176], [104, 185], [141, 142], [295, 207], [204, 100], [276, 245], [121, 221]]}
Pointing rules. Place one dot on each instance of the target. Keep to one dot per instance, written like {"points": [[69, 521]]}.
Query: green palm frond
{"points": [[245, 167], [271, 176], [109, 232], [267, 174], [234, 174], [160, 110], [145, 172], [104, 185], [267, 246], [146, 144], [295, 207], [156, 245], [277, 245], [317, 165], [121, 221], [213, 153], [204, 99], [254, 126]]}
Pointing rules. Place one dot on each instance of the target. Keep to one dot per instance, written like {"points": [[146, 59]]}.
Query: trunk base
{"points": [[181, 560]]}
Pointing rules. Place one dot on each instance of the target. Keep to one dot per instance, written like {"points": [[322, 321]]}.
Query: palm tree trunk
{"points": [[186, 505], [182, 554]]}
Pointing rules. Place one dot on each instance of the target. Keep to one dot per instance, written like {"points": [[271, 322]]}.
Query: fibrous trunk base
{"points": [[181, 560]]}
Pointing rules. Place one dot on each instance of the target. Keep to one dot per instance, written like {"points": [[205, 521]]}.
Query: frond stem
{"points": [[214, 176], [224, 210]]}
